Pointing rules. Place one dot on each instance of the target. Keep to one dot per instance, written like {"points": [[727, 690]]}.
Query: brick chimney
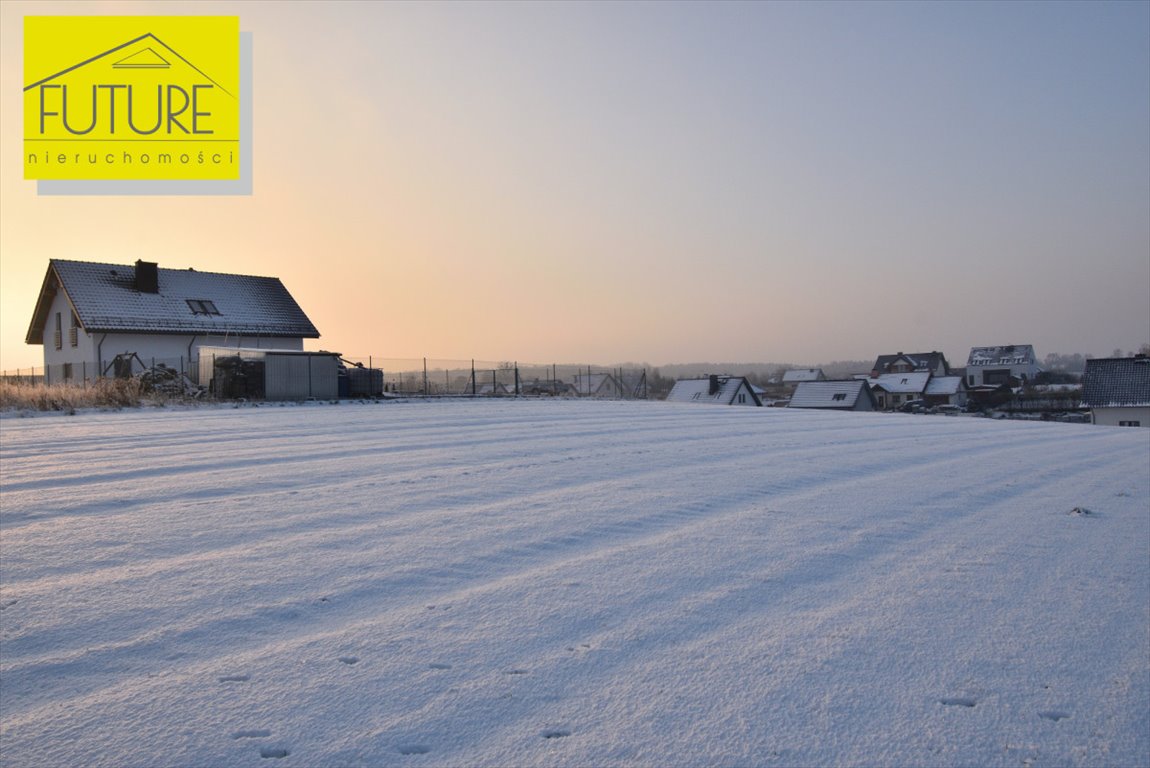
{"points": [[147, 277]]}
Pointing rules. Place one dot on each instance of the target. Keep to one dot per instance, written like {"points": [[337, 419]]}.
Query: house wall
{"points": [[94, 352], [976, 375], [299, 377], [1111, 417], [72, 361], [743, 396]]}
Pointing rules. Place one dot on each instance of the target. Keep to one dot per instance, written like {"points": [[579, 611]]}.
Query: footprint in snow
{"points": [[274, 752], [1054, 716], [556, 734], [958, 702], [349, 660], [413, 749]]}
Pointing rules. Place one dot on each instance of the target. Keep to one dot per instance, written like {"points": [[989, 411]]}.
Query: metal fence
{"points": [[85, 373], [399, 377]]}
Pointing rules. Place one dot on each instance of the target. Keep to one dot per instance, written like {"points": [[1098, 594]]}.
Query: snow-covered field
{"points": [[506, 583]]}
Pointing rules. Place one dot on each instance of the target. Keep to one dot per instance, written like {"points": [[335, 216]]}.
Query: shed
{"points": [[269, 374]]}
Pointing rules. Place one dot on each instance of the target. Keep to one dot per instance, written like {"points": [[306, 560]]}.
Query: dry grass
{"points": [[104, 393]]}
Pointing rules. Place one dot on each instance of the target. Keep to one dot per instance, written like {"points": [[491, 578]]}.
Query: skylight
{"points": [[202, 307]]}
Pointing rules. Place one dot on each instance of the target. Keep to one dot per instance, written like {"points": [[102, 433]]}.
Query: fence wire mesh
{"points": [[395, 377]]}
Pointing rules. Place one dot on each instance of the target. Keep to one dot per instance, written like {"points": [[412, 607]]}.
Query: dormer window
{"points": [[202, 307], [840, 396]]}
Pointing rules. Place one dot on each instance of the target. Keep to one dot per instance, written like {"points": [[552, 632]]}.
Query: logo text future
{"points": [[131, 97]]}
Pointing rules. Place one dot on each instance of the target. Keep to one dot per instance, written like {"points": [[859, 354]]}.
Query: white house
{"points": [[912, 362], [894, 389], [794, 376], [717, 390], [1117, 391], [600, 385], [88, 314], [994, 366], [848, 395]]}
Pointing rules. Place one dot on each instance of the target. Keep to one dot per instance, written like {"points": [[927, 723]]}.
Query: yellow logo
{"points": [[131, 97]]}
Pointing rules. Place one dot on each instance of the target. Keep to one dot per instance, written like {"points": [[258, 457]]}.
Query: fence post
{"points": [[473, 377], [517, 378], [425, 377]]}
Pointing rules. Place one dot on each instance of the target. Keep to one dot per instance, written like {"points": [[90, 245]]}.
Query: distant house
{"points": [[717, 390], [945, 390], [892, 390], [933, 363], [848, 395], [491, 389], [1012, 364], [550, 387], [601, 385], [89, 314], [1117, 391], [793, 377]]}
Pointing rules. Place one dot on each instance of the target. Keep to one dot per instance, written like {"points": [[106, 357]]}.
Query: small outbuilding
{"points": [[945, 390], [269, 374]]}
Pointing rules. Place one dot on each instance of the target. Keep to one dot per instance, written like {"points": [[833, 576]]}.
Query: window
{"points": [[59, 338], [74, 332], [971, 379], [1129, 423], [202, 307], [742, 398], [67, 371], [840, 396]]}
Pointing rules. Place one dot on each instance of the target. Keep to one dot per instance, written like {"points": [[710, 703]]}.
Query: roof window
{"points": [[202, 307], [840, 396]]}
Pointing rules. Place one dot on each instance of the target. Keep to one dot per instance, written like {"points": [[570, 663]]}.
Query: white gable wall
{"points": [[1113, 417], [69, 362]]}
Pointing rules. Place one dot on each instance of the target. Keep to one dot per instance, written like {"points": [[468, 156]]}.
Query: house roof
{"points": [[922, 361], [796, 375], [594, 382], [1116, 382], [104, 298], [843, 395], [698, 390], [944, 385], [901, 383], [1004, 356]]}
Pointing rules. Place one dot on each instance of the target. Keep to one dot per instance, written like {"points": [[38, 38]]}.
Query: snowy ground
{"points": [[571, 584]]}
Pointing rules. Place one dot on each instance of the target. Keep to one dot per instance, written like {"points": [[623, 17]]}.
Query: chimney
{"points": [[714, 388], [147, 277]]}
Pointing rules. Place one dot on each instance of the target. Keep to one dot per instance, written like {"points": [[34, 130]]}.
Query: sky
{"points": [[654, 182]]}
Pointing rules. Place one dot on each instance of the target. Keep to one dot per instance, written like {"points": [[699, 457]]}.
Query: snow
{"points": [[569, 583]]}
